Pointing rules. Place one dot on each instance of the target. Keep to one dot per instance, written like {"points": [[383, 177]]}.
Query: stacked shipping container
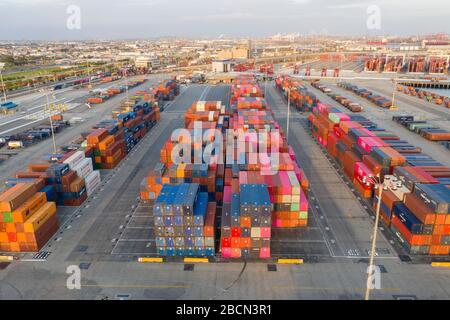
{"points": [[106, 94], [300, 97], [27, 219], [425, 129], [416, 196], [352, 106], [252, 199], [378, 100], [425, 95], [68, 179], [184, 221], [111, 140]]}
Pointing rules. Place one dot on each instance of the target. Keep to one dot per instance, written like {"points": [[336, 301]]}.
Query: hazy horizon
{"points": [[46, 20]]}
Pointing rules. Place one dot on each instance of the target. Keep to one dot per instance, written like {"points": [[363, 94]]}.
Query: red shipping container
{"points": [[226, 242], [235, 232]]}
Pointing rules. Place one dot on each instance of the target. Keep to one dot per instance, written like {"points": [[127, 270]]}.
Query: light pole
{"points": [[51, 120], [288, 114], [378, 185], [265, 87], [89, 73], [2, 65], [126, 84], [393, 93]]}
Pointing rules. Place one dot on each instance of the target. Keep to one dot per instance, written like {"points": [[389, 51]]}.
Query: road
{"points": [[99, 237], [31, 106]]}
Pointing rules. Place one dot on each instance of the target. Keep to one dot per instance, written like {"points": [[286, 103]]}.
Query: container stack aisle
{"points": [[415, 201]]}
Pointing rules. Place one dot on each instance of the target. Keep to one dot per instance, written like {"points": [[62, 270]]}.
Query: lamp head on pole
{"points": [[375, 180]]}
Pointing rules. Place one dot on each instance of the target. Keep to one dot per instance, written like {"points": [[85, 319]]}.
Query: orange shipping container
{"points": [[39, 218], [94, 100], [38, 167], [106, 143], [16, 196], [97, 136], [26, 210]]}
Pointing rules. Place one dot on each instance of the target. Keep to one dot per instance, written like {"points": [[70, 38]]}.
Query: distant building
{"points": [[224, 65], [404, 46], [148, 62], [234, 53]]}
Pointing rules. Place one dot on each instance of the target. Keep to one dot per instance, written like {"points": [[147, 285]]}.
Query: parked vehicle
{"points": [[15, 144]]}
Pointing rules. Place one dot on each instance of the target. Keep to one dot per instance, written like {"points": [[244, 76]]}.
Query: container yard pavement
{"points": [[110, 270]]}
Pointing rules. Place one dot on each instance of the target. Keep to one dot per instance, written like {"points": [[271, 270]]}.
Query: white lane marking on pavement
{"points": [[24, 116]]}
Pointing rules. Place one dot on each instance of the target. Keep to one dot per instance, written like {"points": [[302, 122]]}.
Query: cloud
{"points": [[38, 19], [13, 3], [301, 1]]}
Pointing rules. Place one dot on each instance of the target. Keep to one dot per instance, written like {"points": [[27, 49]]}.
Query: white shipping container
{"points": [[200, 106], [75, 159], [84, 168], [15, 144], [93, 181]]}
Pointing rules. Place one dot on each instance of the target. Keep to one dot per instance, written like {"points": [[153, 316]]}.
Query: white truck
{"points": [[15, 144]]}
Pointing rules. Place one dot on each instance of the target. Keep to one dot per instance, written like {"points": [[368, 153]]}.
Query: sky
{"points": [[146, 19]]}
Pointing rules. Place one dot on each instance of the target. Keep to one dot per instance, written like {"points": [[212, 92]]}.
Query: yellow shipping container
{"points": [[180, 170]]}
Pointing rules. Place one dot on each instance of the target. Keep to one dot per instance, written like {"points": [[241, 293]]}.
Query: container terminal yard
{"points": [[278, 167], [110, 232]]}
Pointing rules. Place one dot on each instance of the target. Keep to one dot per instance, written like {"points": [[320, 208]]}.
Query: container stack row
{"points": [[180, 167], [166, 91], [416, 194], [258, 195], [300, 97], [425, 129], [425, 95], [378, 100], [345, 102], [106, 94], [111, 140]]}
